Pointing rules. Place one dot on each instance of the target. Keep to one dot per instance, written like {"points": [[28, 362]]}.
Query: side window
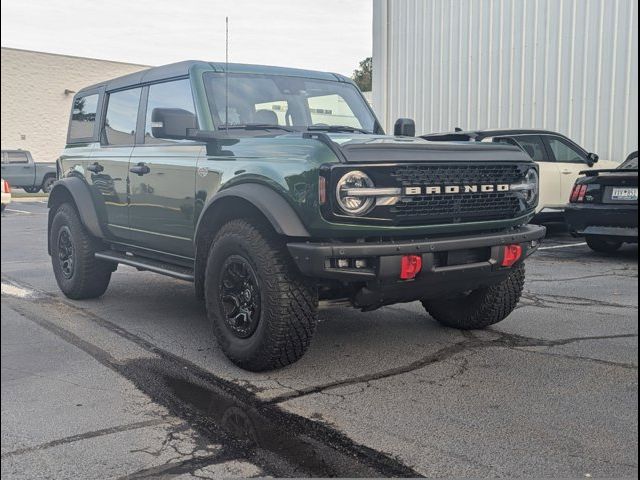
{"points": [[83, 118], [332, 110], [533, 146], [564, 152], [122, 116], [169, 95], [17, 157]]}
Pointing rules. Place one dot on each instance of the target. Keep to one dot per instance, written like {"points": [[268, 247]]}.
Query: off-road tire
{"points": [[31, 189], [47, 183], [90, 277], [603, 245], [479, 308], [288, 301]]}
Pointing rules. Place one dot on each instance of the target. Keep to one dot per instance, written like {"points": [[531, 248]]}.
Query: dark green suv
{"points": [[271, 189]]}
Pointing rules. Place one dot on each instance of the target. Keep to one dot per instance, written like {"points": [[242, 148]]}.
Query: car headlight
{"points": [[351, 193], [529, 188]]}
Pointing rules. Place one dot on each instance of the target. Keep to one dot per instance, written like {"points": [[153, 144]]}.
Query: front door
{"points": [[571, 160], [163, 178], [108, 168]]}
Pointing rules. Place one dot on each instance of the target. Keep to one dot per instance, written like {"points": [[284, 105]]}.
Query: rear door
{"points": [[551, 194], [163, 194], [18, 170], [108, 169], [571, 160]]}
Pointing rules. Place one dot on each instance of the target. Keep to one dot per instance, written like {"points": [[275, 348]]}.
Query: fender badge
{"points": [[203, 172]]}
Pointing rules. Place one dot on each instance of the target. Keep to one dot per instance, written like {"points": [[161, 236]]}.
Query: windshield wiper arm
{"points": [[336, 128], [255, 126]]}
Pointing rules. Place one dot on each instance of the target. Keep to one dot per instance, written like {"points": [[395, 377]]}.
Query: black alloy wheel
{"points": [[240, 296], [66, 252]]}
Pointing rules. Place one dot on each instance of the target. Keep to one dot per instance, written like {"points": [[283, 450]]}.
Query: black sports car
{"points": [[604, 206]]}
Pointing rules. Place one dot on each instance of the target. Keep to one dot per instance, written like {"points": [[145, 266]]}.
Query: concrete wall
{"points": [[569, 66], [35, 107]]}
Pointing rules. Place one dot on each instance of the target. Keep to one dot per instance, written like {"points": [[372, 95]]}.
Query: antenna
{"points": [[226, 76]]}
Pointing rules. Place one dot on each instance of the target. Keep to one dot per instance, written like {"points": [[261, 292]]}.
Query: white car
{"points": [[6, 194], [560, 160]]}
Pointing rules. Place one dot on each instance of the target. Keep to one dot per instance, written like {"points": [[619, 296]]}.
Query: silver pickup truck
{"points": [[19, 169]]}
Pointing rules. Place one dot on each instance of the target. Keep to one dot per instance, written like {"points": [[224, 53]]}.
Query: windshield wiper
{"points": [[336, 128], [255, 126]]}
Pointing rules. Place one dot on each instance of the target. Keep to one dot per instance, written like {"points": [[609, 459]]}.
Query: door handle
{"points": [[567, 172], [140, 169], [95, 167]]}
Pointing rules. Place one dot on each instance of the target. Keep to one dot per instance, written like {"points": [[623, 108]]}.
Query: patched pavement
{"points": [[132, 384]]}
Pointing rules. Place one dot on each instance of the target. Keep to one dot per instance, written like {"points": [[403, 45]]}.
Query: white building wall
{"points": [[564, 65], [35, 107]]}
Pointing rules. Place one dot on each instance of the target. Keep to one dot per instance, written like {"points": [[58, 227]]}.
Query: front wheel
{"points": [[479, 308], [263, 311], [603, 245]]}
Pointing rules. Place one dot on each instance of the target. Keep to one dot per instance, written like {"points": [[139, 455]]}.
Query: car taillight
{"points": [[578, 193], [6, 188]]}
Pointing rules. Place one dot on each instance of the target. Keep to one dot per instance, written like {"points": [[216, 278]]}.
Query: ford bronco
{"points": [[271, 189]]}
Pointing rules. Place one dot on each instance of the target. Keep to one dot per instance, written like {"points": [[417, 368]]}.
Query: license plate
{"points": [[624, 194]]}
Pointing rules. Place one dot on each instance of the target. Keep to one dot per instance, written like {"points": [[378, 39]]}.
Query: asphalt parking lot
{"points": [[132, 385]]}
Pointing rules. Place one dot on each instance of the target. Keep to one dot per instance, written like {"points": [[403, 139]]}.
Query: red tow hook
{"points": [[410, 266], [512, 253]]}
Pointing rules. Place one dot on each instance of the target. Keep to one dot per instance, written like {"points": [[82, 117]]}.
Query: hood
{"points": [[359, 148]]}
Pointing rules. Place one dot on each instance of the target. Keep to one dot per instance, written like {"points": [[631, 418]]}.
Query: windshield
{"points": [[293, 102]]}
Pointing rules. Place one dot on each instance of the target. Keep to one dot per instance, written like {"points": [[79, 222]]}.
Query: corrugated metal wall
{"points": [[564, 65]]}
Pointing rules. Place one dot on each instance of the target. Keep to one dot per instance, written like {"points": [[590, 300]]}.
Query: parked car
{"points": [[254, 187], [21, 171], [604, 206], [6, 193], [560, 160]]}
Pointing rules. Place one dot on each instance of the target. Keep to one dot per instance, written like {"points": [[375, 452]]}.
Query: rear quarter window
{"points": [[83, 118]]}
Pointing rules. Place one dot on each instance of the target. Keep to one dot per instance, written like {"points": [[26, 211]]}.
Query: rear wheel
{"points": [[603, 244], [47, 184], [479, 308], [78, 273], [263, 311]]}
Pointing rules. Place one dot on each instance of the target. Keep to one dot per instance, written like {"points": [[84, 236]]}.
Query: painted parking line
{"points": [[571, 245], [16, 291], [18, 211]]}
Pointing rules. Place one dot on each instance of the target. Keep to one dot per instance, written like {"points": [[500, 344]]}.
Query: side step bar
{"points": [[141, 263]]}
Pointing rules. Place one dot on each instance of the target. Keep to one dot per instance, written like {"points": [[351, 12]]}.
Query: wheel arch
{"points": [[250, 200], [74, 190]]}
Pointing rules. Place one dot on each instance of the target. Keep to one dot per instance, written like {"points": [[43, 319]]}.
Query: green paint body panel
{"points": [[159, 211]]}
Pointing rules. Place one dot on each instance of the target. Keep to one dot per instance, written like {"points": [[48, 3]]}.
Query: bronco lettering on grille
{"points": [[455, 189]]}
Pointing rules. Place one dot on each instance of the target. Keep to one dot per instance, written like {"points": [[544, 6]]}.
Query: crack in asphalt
{"points": [[87, 435], [547, 301], [472, 342]]}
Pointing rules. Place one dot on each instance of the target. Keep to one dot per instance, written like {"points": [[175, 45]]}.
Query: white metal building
{"points": [[564, 65]]}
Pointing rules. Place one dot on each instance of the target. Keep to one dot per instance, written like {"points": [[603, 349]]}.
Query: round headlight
{"points": [[532, 179], [350, 200]]}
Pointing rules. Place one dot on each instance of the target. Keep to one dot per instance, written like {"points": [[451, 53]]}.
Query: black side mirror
{"points": [[592, 159], [171, 123], [404, 127]]}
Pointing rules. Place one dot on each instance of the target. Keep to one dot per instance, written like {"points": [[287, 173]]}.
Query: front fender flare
{"points": [[81, 195], [282, 217]]}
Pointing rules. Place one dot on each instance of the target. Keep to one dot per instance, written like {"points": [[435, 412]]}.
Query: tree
{"points": [[362, 75]]}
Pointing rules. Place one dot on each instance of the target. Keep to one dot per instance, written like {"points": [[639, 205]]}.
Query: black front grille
{"points": [[462, 207], [436, 209]]}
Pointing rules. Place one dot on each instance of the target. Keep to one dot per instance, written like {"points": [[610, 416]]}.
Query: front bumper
{"points": [[614, 221], [318, 260]]}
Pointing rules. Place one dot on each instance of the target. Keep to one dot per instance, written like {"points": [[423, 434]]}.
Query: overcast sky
{"points": [[332, 35]]}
